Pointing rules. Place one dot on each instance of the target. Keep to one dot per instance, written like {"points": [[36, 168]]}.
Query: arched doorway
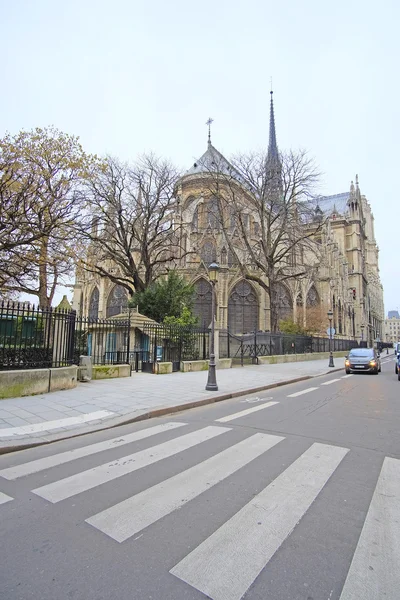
{"points": [[117, 301], [94, 304], [202, 302], [243, 309]]}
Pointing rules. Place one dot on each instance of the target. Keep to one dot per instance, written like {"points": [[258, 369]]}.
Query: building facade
{"points": [[343, 274], [392, 328]]}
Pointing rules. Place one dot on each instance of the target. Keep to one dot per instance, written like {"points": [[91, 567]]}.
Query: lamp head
{"points": [[213, 271]]}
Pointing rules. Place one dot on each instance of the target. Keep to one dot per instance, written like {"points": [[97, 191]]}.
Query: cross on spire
{"points": [[209, 122]]}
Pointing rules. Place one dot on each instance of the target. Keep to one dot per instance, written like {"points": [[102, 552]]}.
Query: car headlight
{"points": [[347, 363], [372, 363]]}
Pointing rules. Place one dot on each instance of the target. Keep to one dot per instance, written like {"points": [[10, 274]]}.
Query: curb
{"points": [[161, 412]]}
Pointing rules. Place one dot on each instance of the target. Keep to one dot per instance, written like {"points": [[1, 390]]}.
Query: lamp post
{"points": [[330, 316], [212, 380], [362, 332]]}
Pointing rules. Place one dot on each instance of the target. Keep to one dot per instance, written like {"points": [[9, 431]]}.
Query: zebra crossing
{"points": [[225, 564]]}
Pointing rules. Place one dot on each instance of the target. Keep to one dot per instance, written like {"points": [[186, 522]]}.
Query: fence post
{"points": [[71, 337], [204, 344], [128, 345], [228, 343], [155, 352], [180, 346]]}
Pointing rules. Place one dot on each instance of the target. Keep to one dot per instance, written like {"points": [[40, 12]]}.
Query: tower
{"points": [[273, 162]]}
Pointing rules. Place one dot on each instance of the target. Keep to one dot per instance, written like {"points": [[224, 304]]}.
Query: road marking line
{"points": [[302, 392], [48, 425], [129, 517], [86, 480], [245, 412], [226, 564], [346, 376], [47, 462], [4, 498], [329, 382], [374, 570]]}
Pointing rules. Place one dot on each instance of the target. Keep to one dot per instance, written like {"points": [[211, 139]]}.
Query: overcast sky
{"points": [[130, 76]]}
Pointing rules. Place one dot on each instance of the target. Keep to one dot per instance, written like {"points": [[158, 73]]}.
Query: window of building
{"points": [[117, 301], [94, 304]]}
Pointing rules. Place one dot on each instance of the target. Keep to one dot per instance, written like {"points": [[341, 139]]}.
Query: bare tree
{"points": [[269, 218], [41, 172], [129, 228]]}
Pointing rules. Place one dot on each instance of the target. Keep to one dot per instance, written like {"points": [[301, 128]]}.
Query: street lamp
{"points": [[212, 380], [330, 317], [362, 332]]}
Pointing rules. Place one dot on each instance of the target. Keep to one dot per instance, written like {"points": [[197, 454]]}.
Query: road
{"points": [[293, 494]]}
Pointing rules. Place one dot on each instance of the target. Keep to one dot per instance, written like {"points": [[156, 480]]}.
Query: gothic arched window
{"points": [[243, 309], [202, 302], [282, 302], [94, 304], [340, 316], [231, 259], [213, 213], [117, 301], [208, 253], [195, 220], [312, 297]]}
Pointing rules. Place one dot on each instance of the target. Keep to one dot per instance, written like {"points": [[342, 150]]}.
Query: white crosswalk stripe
{"points": [[34, 466], [226, 564], [374, 572], [131, 516], [4, 498], [245, 412], [86, 480], [329, 382]]}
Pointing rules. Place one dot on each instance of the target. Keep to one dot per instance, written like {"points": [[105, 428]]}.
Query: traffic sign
{"points": [[331, 331]]}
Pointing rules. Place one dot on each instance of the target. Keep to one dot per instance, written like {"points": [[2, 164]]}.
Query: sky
{"points": [[133, 76]]}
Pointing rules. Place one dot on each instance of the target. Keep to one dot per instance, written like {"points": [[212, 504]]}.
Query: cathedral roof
{"points": [[212, 161], [337, 203]]}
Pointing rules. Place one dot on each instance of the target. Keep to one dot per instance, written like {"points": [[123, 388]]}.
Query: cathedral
{"points": [[343, 277]]}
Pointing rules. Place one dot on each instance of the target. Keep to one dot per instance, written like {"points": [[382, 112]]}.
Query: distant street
{"points": [[291, 494]]}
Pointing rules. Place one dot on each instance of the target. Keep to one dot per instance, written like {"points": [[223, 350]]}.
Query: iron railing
{"points": [[259, 343], [32, 337], [172, 343]]}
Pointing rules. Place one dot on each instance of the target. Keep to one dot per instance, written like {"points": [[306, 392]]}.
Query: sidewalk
{"points": [[101, 404]]}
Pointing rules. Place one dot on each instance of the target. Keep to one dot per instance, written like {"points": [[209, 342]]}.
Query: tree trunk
{"points": [[43, 276]]}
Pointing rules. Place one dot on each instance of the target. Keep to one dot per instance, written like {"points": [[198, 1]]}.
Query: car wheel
{"points": [[396, 369], [398, 376], [380, 369], [347, 371]]}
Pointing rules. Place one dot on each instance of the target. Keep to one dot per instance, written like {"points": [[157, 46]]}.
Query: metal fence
{"points": [[253, 345], [37, 338], [32, 337], [170, 343]]}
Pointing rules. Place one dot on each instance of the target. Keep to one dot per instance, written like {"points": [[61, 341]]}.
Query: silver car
{"points": [[363, 360]]}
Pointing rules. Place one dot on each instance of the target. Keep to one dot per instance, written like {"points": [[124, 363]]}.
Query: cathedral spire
{"points": [[273, 154], [209, 122], [358, 193], [273, 162]]}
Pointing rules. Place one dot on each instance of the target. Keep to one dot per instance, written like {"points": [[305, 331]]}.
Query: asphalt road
{"points": [[293, 494]]}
